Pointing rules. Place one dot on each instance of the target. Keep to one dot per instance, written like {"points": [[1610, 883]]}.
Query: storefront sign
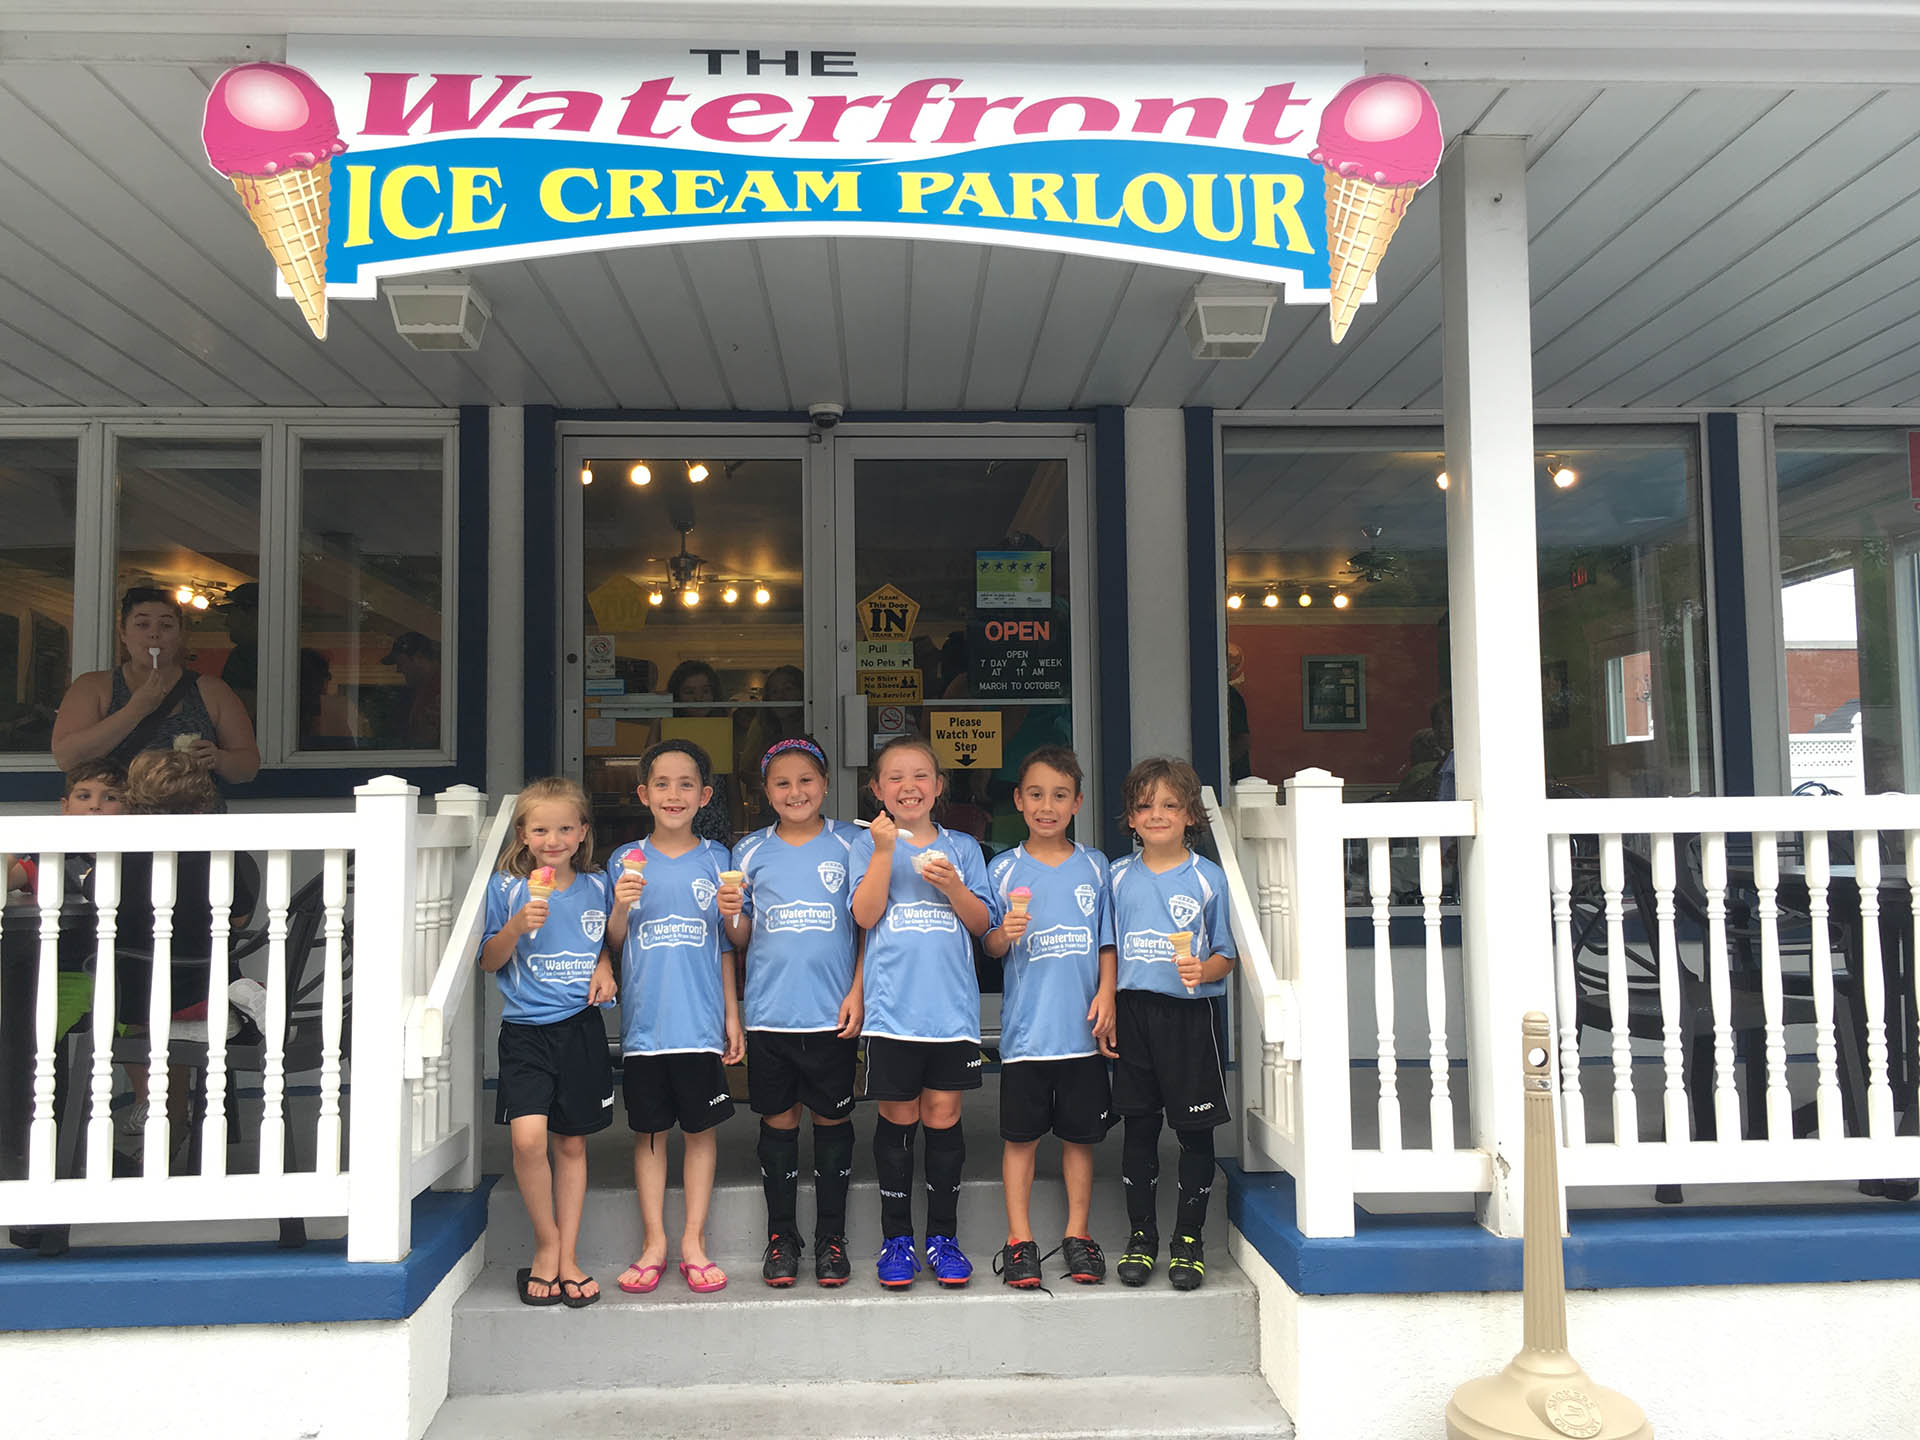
{"points": [[890, 687], [967, 739], [370, 157], [1018, 658], [1013, 579], [889, 614], [882, 654]]}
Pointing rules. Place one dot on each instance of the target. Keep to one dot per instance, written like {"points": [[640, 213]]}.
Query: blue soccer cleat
{"points": [[950, 1266], [898, 1263]]}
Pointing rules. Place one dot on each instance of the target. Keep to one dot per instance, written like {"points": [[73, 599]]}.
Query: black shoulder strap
{"points": [[142, 734]]}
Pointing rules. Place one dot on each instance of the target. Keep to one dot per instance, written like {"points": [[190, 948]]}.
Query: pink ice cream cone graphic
{"points": [[1380, 141], [270, 130]]}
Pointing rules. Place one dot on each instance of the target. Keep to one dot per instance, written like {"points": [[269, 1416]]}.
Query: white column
{"points": [[506, 610], [1157, 648], [1493, 589], [1766, 651]]}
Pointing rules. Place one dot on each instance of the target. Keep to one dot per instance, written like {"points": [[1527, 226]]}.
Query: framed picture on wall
{"points": [[1333, 692]]}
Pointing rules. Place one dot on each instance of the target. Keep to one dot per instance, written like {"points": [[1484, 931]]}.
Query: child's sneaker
{"points": [[1085, 1264], [1018, 1265], [898, 1264], [948, 1264], [1186, 1263], [830, 1265], [1136, 1263], [781, 1265]]}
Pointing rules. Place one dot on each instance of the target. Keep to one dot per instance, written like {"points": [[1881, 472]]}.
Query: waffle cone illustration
{"points": [[1361, 219], [290, 212]]}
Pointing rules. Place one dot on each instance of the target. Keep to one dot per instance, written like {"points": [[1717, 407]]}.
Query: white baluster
{"points": [[106, 904], [443, 1063], [1626, 1116], [41, 1134], [333, 926], [1440, 1093], [415, 967], [1573, 1108], [1873, 983], [273, 1102], [1913, 906], [159, 1142], [1766, 884], [1826, 1052], [1672, 1056], [1380, 887], [1726, 1098], [213, 1129]]}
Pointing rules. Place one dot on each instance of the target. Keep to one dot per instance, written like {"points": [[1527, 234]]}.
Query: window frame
{"points": [[83, 647]]}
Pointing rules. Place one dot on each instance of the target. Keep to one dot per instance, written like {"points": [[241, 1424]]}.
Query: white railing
{"points": [[1837, 761], [343, 960]]}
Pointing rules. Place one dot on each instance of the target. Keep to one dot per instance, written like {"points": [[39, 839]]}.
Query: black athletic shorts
{"points": [[687, 1088], [560, 1071], [1169, 1060], [1069, 1097], [901, 1069], [814, 1068]]}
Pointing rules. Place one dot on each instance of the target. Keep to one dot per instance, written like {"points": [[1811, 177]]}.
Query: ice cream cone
{"points": [[733, 877], [1020, 898], [289, 210], [1182, 949], [1361, 219], [540, 883]]}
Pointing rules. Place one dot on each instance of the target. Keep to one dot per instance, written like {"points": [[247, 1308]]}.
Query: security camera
{"points": [[825, 414]]}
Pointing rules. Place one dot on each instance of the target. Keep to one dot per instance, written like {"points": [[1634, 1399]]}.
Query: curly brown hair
{"points": [[1177, 775], [170, 782]]}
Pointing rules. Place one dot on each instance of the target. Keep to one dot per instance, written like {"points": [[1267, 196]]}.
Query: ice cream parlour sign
{"points": [[366, 158]]}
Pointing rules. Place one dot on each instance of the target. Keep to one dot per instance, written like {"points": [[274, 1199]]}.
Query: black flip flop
{"points": [[527, 1280], [580, 1300]]}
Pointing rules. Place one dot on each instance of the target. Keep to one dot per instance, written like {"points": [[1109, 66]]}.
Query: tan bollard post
{"points": [[1543, 1393]]}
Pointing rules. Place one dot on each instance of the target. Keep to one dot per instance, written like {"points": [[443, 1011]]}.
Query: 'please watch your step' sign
{"points": [[364, 158]]}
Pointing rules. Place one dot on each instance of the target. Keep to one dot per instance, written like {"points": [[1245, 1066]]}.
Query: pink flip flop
{"points": [[648, 1282], [706, 1284]]}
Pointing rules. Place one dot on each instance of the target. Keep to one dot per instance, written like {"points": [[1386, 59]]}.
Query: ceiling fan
{"points": [[1372, 564]]}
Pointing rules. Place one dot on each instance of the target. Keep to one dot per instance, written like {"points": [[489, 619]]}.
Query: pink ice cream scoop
{"points": [[1021, 897], [265, 118], [1382, 128]]}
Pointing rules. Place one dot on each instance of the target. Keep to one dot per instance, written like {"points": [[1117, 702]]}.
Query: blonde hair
{"points": [[517, 858], [170, 782]]}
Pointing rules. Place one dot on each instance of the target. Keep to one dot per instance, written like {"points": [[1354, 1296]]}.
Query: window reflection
{"points": [[37, 489]]}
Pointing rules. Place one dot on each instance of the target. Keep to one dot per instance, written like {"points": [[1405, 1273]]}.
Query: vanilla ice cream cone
{"points": [[289, 209], [1361, 220], [733, 877], [1182, 948]]}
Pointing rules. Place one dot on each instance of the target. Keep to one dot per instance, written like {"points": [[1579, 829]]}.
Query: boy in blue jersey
{"points": [[1176, 951], [787, 906], [1052, 923], [546, 917], [679, 1018]]}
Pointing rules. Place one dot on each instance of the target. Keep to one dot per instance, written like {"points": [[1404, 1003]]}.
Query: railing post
{"points": [[1257, 1051], [464, 1044], [380, 1144], [1318, 891]]}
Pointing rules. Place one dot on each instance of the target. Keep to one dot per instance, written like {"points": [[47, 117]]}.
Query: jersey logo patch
{"points": [[672, 930], [1184, 909], [704, 890], [1148, 947], [593, 923], [832, 875], [798, 915], [1059, 940], [1086, 898], [927, 919]]}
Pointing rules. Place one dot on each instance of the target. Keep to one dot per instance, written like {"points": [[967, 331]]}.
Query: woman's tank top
{"points": [[189, 717]]}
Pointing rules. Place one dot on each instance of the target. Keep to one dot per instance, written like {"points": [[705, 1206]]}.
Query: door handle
{"points": [[853, 731]]}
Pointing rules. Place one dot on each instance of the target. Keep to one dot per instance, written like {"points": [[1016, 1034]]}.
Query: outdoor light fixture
{"points": [[690, 596], [1306, 598], [697, 471], [1561, 475], [1227, 319], [1236, 600], [761, 595], [730, 594], [1272, 598], [1441, 480], [439, 317], [1341, 600], [640, 475], [586, 474], [654, 597]]}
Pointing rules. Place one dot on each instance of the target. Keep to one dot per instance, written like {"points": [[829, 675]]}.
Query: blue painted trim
{"points": [[474, 515], [1733, 672], [1110, 605], [540, 535], [37, 787], [1206, 653], [258, 1284], [1606, 1249], [852, 417]]}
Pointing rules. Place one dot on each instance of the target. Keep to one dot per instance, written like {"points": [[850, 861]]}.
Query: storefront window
{"points": [[38, 485], [369, 674], [1849, 592], [189, 522]]}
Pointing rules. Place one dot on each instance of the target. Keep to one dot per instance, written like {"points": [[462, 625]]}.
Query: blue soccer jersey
{"points": [[551, 970], [1147, 908], [800, 900], [920, 980], [671, 999], [1053, 971]]}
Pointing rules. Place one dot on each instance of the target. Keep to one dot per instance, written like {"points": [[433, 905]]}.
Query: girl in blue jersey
{"points": [[787, 908], [922, 900], [679, 1016], [1176, 951], [556, 1087]]}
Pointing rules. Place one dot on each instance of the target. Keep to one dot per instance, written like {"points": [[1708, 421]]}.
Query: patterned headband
{"points": [[800, 743]]}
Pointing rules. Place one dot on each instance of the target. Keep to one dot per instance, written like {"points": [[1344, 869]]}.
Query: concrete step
{"points": [[1160, 1408], [861, 1332]]}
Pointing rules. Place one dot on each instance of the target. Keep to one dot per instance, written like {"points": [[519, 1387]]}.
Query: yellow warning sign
{"points": [[888, 614], [890, 687], [966, 739]]}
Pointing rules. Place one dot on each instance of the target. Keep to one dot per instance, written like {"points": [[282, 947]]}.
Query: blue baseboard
{"points": [[1606, 1249], [254, 1284]]}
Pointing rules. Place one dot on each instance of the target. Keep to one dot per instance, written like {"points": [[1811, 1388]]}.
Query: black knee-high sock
{"points": [[1140, 1169], [832, 1172], [893, 1168], [779, 1152], [1196, 1180], [946, 1158]]}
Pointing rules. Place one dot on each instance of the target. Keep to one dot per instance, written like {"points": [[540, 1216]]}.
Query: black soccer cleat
{"points": [[1186, 1263], [782, 1263], [1136, 1264], [1018, 1265], [1085, 1264], [830, 1265]]}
